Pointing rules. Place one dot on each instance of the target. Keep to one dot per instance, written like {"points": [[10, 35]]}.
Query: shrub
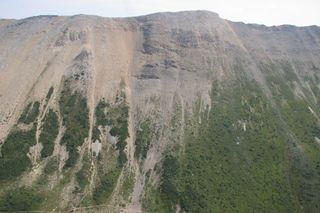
{"points": [[51, 166], [75, 114], [117, 117], [49, 133], [21, 199], [83, 175], [100, 115], [14, 160], [171, 169], [106, 186], [143, 139], [30, 113], [49, 94]]}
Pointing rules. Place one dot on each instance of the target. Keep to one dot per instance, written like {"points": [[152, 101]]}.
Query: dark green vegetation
{"points": [[107, 175], [51, 166], [154, 200], [49, 94], [106, 185], [117, 117], [20, 199], [127, 185], [101, 119], [143, 139], [14, 160], [30, 113], [163, 198], [95, 134], [49, 132], [227, 167], [83, 175], [74, 111], [304, 126]]}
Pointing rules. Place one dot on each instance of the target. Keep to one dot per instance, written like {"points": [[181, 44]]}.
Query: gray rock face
{"points": [[190, 112]]}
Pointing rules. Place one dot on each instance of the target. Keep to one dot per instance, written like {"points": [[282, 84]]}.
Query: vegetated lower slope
{"points": [[244, 154], [171, 112]]}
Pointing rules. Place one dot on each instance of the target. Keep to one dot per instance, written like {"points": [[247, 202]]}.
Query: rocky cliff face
{"points": [[168, 112]]}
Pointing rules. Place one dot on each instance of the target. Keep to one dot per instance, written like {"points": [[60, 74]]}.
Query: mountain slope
{"points": [[161, 113]]}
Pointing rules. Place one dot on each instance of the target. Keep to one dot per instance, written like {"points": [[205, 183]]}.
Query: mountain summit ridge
{"points": [[191, 12]]}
